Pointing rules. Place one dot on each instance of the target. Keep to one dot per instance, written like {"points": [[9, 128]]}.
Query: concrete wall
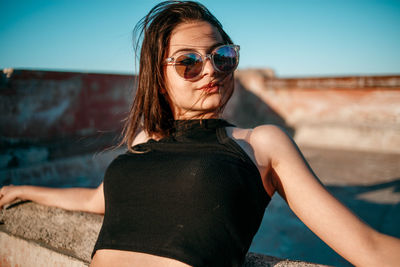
{"points": [[358, 113], [45, 104], [51, 124], [347, 112]]}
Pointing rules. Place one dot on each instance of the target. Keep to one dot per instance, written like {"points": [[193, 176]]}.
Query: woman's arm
{"points": [[82, 199], [316, 207]]}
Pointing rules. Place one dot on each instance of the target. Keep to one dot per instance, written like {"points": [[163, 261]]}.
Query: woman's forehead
{"points": [[194, 35]]}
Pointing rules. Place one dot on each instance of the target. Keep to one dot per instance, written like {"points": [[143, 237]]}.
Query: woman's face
{"points": [[200, 97]]}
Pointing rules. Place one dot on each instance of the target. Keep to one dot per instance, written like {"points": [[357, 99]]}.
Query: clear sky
{"points": [[293, 37]]}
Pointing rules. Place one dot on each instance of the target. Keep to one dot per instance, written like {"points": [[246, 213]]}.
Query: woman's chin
{"points": [[211, 103]]}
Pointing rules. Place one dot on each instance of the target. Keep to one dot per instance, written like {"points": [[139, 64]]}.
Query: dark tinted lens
{"points": [[225, 58], [188, 65]]}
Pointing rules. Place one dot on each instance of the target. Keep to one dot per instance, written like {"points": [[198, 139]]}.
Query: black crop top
{"points": [[195, 197]]}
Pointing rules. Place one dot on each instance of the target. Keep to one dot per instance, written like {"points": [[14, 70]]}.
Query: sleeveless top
{"points": [[194, 196]]}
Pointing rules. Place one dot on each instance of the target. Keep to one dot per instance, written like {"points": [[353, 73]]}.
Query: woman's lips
{"points": [[211, 88]]}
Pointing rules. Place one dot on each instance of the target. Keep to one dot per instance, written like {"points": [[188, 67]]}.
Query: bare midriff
{"points": [[111, 257]]}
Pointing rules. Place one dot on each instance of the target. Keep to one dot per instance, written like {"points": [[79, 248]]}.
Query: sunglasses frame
{"points": [[210, 56]]}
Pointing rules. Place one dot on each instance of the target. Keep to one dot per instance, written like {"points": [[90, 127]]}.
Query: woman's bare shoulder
{"points": [[267, 134], [267, 141]]}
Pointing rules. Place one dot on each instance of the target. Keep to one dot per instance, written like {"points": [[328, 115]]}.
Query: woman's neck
{"points": [[197, 117]]}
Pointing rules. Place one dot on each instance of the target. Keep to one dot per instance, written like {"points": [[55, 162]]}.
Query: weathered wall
{"points": [[51, 123], [361, 113], [45, 104], [347, 112]]}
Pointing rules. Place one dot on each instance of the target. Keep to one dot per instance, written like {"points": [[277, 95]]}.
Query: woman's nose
{"points": [[208, 67]]}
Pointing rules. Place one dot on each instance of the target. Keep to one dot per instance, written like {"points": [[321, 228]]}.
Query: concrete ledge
{"points": [[69, 233], [19, 252], [33, 235]]}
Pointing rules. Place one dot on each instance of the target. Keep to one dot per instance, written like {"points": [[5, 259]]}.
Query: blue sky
{"points": [[293, 37]]}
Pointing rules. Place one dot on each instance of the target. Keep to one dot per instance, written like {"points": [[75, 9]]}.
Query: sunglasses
{"points": [[190, 65]]}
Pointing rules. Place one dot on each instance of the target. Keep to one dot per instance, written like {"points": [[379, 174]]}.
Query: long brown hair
{"points": [[150, 109]]}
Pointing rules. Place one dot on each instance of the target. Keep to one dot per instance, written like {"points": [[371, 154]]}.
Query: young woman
{"points": [[192, 189]]}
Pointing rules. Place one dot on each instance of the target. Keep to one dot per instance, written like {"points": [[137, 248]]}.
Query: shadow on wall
{"points": [[246, 110], [282, 234]]}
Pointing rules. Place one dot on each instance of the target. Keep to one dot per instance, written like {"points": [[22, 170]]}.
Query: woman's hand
{"points": [[9, 194]]}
